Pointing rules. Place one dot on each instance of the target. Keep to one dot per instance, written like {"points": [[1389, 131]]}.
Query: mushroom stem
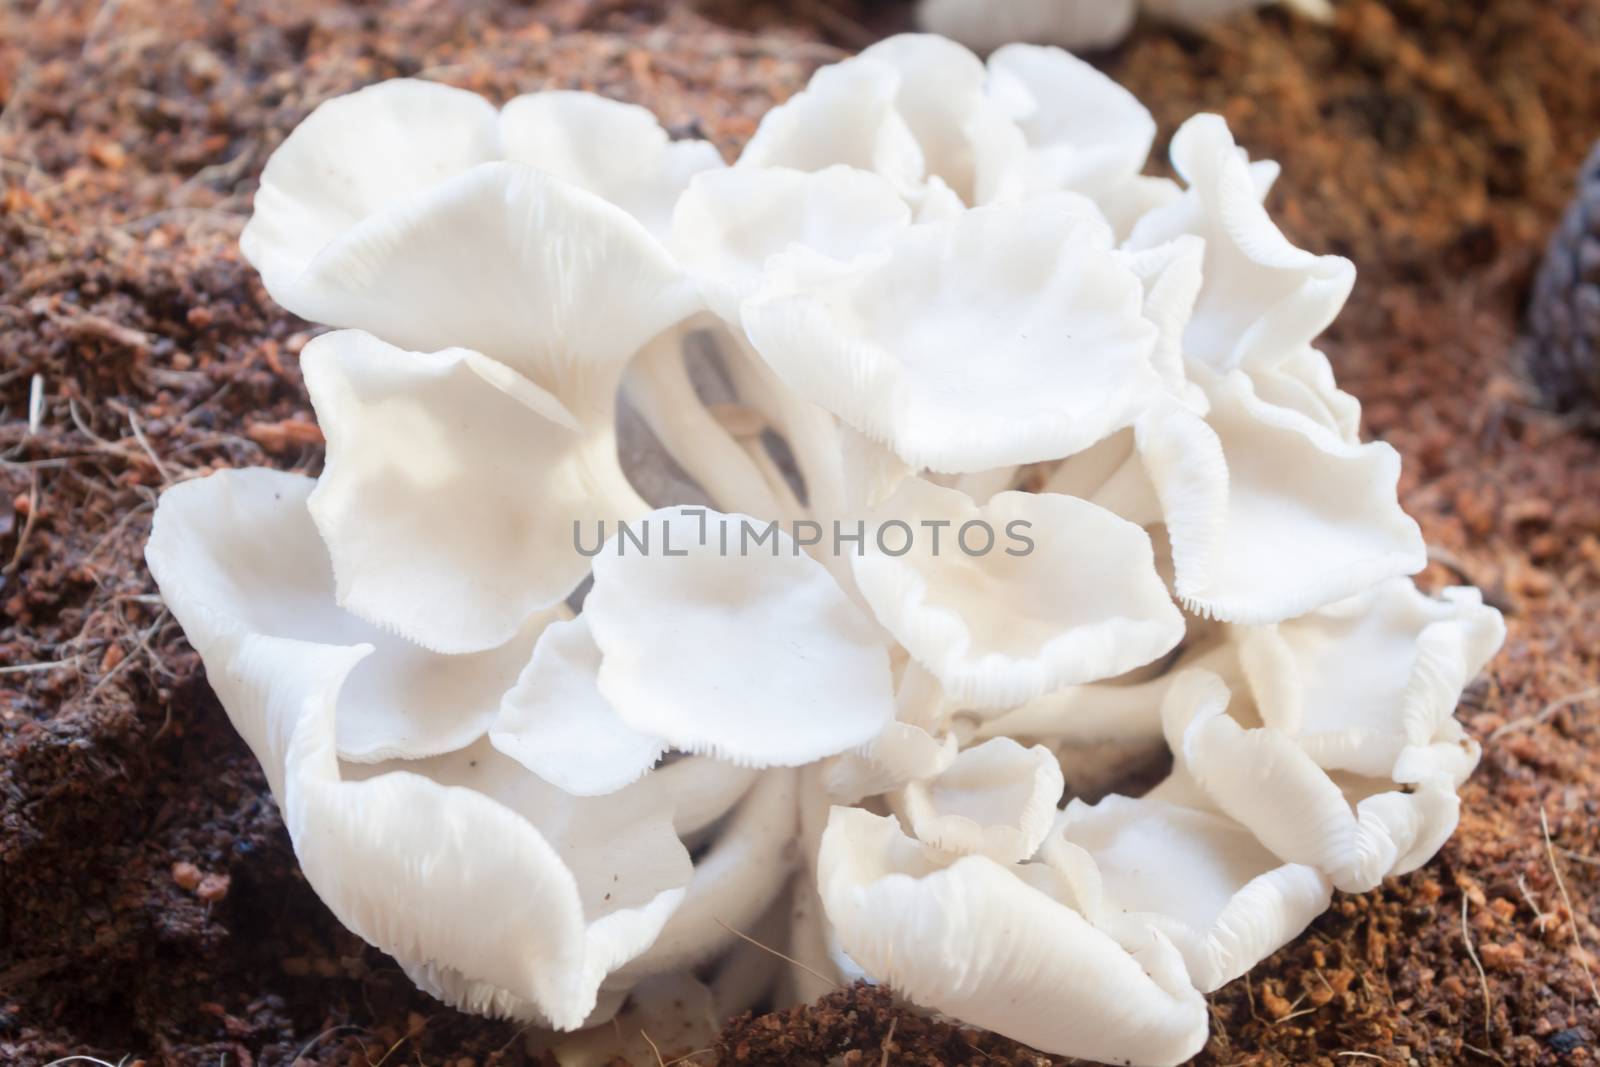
{"points": [[811, 432], [658, 386]]}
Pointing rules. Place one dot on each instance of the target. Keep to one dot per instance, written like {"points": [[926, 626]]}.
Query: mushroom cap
{"points": [[1003, 626], [1262, 296], [452, 490], [546, 278], [728, 223], [366, 153], [984, 25], [1271, 513], [237, 553], [1009, 334], [1356, 831], [392, 848], [1416, 654], [996, 799], [981, 941], [765, 662], [1233, 904], [556, 723]]}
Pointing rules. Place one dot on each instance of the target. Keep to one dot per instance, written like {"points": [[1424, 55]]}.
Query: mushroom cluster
{"points": [[1079, 24], [788, 552]]}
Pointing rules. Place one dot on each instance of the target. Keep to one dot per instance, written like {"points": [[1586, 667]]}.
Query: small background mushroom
{"points": [[1078, 24]]}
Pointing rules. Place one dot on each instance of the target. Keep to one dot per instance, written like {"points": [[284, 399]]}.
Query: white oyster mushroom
{"points": [[706, 789], [748, 975], [1030, 481], [535, 273], [1119, 710], [967, 140], [1357, 831], [237, 553], [1097, 147], [948, 133], [664, 392], [1303, 382], [1026, 594], [1234, 905], [556, 723], [845, 116], [912, 108], [617, 151], [919, 744], [1010, 334], [902, 753], [1279, 515], [730, 222], [1262, 298], [735, 881], [765, 661], [599, 840], [391, 848], [358, 158], [1172, 275], [997, 799], [984, 25], [979, 940], [1417, 653], [456, 460], [813, 943]]}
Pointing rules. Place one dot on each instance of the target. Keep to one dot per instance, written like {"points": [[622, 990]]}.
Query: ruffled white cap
{"points": [[984, 942], [529, 928]]}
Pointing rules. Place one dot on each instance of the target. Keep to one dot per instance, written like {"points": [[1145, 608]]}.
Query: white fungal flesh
{"points": [[1026, 473], [984, 25]]}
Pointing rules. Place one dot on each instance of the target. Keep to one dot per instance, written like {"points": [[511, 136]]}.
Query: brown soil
{"points": [[150, 906]]}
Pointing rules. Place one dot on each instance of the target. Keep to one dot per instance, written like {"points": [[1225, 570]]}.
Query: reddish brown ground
{"points": [[149, 903]]}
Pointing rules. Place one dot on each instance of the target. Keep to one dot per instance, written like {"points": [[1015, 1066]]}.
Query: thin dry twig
{"points": [[144, 443], [1485, 1053], [788, 959], [1566, 899], [653, 1047], [29, 668], [116, 528], [35, 404], [1540, 916], [512, 1039], [1295, 1015], [1483, 977], [1579, 857], [314, 1042], [80, 325], [407, 1036], [1528, 722], [27, 525], [1217, 1027], [1250, 996], [142, 639]]}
